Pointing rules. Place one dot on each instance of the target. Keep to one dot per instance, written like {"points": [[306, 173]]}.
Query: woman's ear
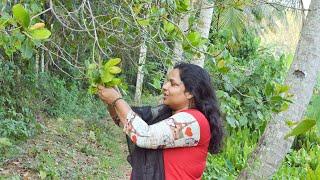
{"points": [[188, 95]]}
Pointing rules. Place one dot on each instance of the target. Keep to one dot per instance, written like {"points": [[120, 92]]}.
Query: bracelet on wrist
{"points": [[113, 104]]}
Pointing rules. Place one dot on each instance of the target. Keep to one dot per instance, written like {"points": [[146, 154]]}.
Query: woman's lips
{"points": [[165, 96]]}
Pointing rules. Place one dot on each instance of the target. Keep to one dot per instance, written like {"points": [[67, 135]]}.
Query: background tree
{"points": [[301, 79]]}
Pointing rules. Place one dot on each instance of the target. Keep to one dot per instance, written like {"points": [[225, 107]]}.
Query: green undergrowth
{"points": [[303, 161], [233, 157], [69, 149]]}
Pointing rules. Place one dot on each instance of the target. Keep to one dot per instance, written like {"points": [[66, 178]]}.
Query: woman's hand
{"points": [[108, 95]]}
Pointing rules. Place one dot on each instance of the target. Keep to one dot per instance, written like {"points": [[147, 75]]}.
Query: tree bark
{"points": [[301, 78], [140, 74], [177, 50], [204, 24]]}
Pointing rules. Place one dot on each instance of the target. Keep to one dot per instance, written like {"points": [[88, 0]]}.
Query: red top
{"points": [[188, 162]]}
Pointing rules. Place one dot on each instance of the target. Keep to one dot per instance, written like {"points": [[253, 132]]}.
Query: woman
{"points": [[186, 136]]}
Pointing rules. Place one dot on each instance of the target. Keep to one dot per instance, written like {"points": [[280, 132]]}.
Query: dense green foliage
{"points": [[247, 76]]}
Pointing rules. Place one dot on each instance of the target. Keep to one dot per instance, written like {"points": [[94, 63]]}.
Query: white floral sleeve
{"points": [[180, 130]]}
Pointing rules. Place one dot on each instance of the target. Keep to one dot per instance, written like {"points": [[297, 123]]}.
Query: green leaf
{"points": [[281, 88], [27, 49], [93, 89], [21, 15], [144, 22], [276, 99], [182, 5], [113, 62], [106, 77], [291, 123], [40, 34], [302, 127], [317, 171], [114, 82], [168, 26], [114, 70], [268, 90], [194, 38]]}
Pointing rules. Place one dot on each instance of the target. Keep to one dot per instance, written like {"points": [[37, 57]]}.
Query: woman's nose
{"points": [[165, 86]]}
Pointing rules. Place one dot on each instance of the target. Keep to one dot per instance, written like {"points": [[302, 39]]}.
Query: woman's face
{"points": [[174, 94]]}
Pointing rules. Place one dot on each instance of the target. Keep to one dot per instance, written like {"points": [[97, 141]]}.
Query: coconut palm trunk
{"points": [[301, 78]]}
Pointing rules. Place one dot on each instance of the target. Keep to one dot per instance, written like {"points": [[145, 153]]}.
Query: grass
{"points": [[69, 149]]}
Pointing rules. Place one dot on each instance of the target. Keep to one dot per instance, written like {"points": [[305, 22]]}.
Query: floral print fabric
{"points": [[180, 130]]}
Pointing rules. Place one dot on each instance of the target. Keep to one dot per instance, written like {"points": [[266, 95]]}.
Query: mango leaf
{"points": [[113, 62], [304, 126], [114, 70], [40, 34], [21, 15]]}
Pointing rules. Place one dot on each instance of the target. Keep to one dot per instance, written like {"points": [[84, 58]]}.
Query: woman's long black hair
{"points": [[197, 81]]}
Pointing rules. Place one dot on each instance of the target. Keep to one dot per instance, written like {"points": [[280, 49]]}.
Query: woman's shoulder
{"points": [[198, 115], [192, 114]]}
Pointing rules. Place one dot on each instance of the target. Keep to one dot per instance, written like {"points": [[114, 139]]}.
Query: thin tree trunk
{"points": [[301, 78], [42, 61], [37, 63], [140, 75], [177, 50], [204, 24]]}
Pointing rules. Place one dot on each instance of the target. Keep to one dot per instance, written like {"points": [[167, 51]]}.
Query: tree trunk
{"points": [[177, 50], [37, 62], [42, 60], [301, 78], [204, 24], [140, 75]]}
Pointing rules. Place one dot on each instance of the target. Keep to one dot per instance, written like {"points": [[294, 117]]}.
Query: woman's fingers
{"points": [[100, 87]]}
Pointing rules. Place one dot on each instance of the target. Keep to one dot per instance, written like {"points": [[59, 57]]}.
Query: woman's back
{"points": [[188, 162]]}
